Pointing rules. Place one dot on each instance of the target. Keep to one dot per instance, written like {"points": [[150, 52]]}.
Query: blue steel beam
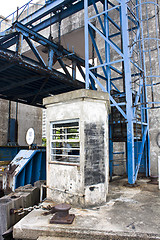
{"points": [[124, 55], [9, 43], [107, 49], [7, 37], [64, 68], [128, 90], [145, 111], [97, 51], [64, 13], [66, 9], [144, 139], [27, 59], [111, 43], [46, 42], [97, 14], [45, 10], [111, 98], [35, 51], [86, 29], [50, 58], [60, 16], [81, 71], [100, 59]]}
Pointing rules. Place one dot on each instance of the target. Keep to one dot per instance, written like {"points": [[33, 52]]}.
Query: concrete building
{"points": [[77, 147]]}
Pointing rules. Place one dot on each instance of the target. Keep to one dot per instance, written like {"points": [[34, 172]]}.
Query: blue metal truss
{"points": [[120, 70]]}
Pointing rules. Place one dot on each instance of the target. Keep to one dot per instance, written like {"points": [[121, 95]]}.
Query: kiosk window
{"points": [[65, 141]]}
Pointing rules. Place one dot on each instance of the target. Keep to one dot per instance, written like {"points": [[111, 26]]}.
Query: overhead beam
{"points": [[2, 51], [62, 15], [81, 71], [64, 68], [22, 101], [35, 51], [39, 90], [21, 83], [6, 38], [6, 66], [50, 20], [48, 91], [45, 10], [2, 79], [44, 41]]}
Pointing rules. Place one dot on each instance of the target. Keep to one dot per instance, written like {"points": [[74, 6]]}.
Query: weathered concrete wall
{"points": [[152, 30], [84, 183], [3, 122], [28, 116], [23, 197]]}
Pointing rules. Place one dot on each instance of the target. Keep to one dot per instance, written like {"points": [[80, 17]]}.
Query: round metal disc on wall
{"points": [[30, 136], [158, 140]]}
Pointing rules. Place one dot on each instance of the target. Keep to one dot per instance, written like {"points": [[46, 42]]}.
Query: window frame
{"points": [[66, 158]]}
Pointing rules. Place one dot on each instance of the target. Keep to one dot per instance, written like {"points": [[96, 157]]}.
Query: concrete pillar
{"points": [[83, 178]]}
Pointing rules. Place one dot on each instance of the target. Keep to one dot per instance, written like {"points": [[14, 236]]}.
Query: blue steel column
{"points": [[145, 110], [107, 47], [128, 89], [50, 58], [108, 85], [86, 44]]}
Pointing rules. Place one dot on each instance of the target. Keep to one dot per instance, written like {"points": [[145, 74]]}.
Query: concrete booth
{"points": [[77, 147]]}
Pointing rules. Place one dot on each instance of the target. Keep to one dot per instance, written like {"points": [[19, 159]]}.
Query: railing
{"points": [[21, 12]]}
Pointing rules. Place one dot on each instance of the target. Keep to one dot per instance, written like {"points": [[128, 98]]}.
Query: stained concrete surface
{"points": [[23, 197], [84, 181], [129, 213]]}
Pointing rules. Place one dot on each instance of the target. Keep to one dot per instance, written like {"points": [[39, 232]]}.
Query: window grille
{"points": [[65, 141]]}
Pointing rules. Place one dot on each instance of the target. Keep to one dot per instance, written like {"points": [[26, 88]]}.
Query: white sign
{"points": [[30, 136]]}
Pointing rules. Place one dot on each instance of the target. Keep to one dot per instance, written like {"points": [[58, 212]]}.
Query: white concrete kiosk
{"points": [[77, 147]]}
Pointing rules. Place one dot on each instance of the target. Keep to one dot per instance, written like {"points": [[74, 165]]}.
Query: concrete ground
{"points": [[129, 213]]}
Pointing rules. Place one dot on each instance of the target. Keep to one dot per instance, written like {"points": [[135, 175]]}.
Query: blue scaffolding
{"points": [[125, 48]]}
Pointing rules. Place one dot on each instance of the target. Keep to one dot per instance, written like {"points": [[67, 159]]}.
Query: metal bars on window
{"points": [[65, 141]]}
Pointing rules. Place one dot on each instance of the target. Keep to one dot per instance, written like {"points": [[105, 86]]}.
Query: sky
{"points": [[9, 6]]}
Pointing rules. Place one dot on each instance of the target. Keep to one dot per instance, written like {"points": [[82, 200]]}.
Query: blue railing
{"points": [[7, 22]]}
